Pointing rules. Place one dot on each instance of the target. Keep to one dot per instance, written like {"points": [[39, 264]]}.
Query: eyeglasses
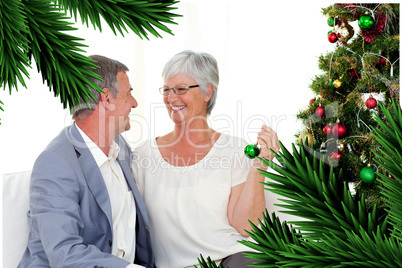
{"points": [[178, 90]]}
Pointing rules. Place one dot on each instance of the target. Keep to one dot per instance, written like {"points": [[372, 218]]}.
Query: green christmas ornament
{"points": [[331, 21], [366, 22], [251, 151], [331, 85], [367, 174]]}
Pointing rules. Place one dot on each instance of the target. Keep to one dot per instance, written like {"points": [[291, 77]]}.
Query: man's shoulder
{"points": [[62, 140], [60, 147]]}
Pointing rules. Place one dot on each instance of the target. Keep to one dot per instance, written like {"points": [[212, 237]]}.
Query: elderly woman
{"points": [[199, 188]]}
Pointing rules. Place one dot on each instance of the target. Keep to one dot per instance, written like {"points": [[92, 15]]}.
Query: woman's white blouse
{"points": [[187, 206]]}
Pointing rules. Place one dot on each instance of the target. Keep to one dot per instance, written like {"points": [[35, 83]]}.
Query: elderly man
{"points": [[85, 207]]}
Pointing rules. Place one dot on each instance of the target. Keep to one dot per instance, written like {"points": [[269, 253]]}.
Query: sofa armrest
{"points": [[15, 208]]}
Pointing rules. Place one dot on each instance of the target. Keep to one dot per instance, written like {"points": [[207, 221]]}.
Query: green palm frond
{"points": [[14, 44], [337, 230], [272, 239], [389, 135], [56, 54], [364, 250], [277, 245], [1, 108], [358, 250], [317, 194], [38, 29], [208, 263], [139, 16]]}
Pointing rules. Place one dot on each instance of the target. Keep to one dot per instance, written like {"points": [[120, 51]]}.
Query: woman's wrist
{"points": [[258, 164]]}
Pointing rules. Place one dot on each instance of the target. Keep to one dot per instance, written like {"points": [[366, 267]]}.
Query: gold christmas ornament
{"points": [[337, 83], [303, 136], [345, 32], [341, 146]]}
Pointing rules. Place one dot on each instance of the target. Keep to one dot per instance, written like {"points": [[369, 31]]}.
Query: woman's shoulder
{"points": [[229, 145], [232, 141]]}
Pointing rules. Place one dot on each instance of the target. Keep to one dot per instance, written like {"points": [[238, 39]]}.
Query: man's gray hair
{"points": [[108, 71]]}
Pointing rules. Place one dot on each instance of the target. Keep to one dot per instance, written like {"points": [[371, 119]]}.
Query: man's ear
{"points": [[104, 97], [211, 89]]}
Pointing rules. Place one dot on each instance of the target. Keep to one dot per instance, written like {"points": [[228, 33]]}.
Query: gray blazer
{"points": [[70, 216]]}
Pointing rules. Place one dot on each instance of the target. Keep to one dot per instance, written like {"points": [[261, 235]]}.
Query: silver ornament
{"points": [[345, 32]]}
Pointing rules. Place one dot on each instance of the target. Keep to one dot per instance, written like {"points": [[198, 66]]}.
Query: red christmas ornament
{"points": [[320, 111], [371, 103], [332, 37], [339, 130], [327, 129], [335, 156], [382, 61], [311, 101]]}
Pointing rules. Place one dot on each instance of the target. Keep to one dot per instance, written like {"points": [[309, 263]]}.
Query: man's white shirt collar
{"points": [[99, 156]]}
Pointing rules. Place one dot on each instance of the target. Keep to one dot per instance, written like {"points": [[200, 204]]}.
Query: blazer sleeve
{"points": [[57, 195]]}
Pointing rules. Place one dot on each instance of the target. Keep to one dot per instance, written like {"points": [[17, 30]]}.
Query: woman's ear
{"points": [[210, 88]]}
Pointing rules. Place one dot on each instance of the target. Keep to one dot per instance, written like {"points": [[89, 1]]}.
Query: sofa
{"points": [[15, 207]]}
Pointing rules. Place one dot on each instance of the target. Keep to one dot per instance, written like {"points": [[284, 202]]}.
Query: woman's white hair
{"points": [[200, 66]]}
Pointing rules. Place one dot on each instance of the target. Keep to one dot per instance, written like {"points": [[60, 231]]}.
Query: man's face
{"points": [[122, 104]]}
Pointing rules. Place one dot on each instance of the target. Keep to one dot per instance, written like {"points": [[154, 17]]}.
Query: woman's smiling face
{"points": [[186, 107]]}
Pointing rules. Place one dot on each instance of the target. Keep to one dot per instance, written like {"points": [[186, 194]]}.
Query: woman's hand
{"points": [[267, 139]]}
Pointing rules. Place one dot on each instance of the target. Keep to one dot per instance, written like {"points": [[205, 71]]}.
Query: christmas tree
{"points": [[362, 71], [344, 179]]}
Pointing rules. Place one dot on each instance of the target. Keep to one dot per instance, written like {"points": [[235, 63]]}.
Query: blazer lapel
{"points": [[144, 255], [141, 208], [92, 174]]}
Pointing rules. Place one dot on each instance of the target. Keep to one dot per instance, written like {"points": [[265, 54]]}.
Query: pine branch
{"points": [[272, 240], [1, 108], [55, 54], [278, 245], [361, 250], [390, 158], [14, 44], [320, 196], [36, 28], [338, 230], [139, 16], [207, 264]]}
